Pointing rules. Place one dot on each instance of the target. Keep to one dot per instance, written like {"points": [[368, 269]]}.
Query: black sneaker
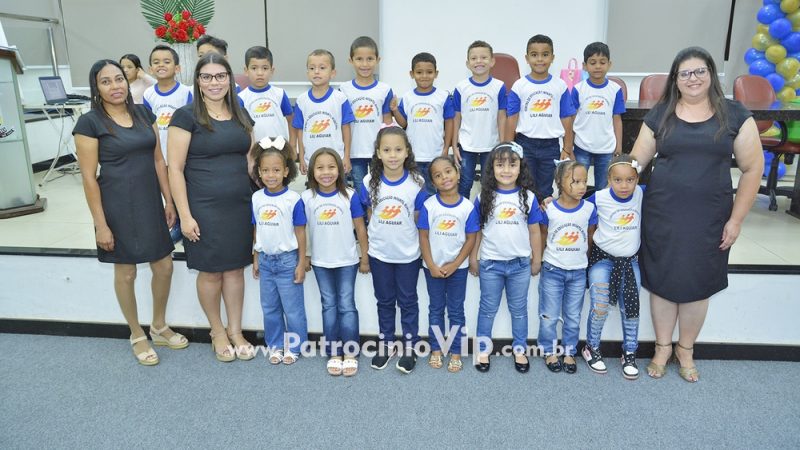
{"points": [[382, 357], [594, 359], [629, 368], [407, 362]]}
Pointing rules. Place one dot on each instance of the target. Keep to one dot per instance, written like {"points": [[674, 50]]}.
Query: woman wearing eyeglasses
{"points": [[690, 218], [208, 145]]}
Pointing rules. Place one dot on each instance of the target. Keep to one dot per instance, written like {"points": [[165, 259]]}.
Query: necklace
{"points": [[215, 114]]}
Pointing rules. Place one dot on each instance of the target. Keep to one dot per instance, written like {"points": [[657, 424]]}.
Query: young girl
{"points": [[614, 267], [567, 227], [447, 226], [334, 210], [392, 194], [509, 245], [279, 251], [138, 80]]}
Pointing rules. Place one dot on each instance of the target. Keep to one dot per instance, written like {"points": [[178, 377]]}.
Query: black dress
{"points": [[129, 189], [686, 204], [218, 190]]}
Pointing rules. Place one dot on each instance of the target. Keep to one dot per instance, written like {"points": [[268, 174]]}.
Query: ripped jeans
{"points": [[599, 277]]}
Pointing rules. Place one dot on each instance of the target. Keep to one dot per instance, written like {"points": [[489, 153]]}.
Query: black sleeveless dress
{"points": [[687, 202]]}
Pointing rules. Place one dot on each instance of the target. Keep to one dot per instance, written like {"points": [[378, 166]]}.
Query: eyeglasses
{"points": [[700, 72], [207, 77]]}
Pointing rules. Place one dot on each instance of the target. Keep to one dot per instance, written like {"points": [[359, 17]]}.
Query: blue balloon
{"points": [[776, 80], [797, 92], [769, 13], [781, 170], [752, 54], [772, 2], [795, 55], [791, 42], [762, 68], [780, 28]]}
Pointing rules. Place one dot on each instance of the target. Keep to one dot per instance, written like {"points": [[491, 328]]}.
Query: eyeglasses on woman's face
{"points": [[699, 73], [207, 77]]}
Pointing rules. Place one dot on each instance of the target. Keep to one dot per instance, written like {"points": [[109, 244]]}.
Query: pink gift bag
{"points": [[572, 75]]}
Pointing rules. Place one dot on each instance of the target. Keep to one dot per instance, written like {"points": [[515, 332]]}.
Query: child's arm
{"points": [[425, 247], [292, 136], [300, 270], [542, 240], [448, 136], [394, 106], [255, 257], [301, 151], [346, 135], [538, 236], [363, 243], [473, 255], [617, 121], [163, 181], [569, 138], [456, 127], [501, 125], [592, 229], [511, 126], [466, 250]]}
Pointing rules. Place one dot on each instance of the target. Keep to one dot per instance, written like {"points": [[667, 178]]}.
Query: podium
{"points": [[17, 193]]}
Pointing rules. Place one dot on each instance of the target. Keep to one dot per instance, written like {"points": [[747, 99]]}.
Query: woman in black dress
{"points": [[209, 141], [690, 218], [131, 223]]}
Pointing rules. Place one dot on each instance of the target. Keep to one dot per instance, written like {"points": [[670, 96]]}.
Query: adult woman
{"points": [[689, 216], [131, 223], [209, 140], [138, 80]]}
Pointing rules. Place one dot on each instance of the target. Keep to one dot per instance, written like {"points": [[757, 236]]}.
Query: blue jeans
{"points": [[423, 168], [560, 298], [396, 285], [515, 276], [360, 167], [599, 280], [600, 161], [447, 293], [339, 313], [468, 162], [540, 155], [280, 297]]}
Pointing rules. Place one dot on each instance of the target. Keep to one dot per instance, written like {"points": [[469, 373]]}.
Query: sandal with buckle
{"points": [[147, 357], [334, 366], [350, 366], [244, 352], [227, 354], [276, 357], [658, 370], [435, 360], [176, 342], [454, 365], [290, 358], [690, 374]]}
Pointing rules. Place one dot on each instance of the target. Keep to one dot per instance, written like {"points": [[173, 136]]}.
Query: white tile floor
{"points": [[767, 237]]}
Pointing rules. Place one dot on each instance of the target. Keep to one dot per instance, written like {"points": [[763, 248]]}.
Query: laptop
{"points": [[54, 92]]}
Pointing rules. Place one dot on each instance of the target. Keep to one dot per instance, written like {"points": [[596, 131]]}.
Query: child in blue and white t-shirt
{"points": [[268, 105]]}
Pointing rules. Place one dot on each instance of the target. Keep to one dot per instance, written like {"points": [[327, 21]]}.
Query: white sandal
{"points": [[176, 342], [350, 364], [290, 358], [147, 357], [334, 366], [276, 357]]}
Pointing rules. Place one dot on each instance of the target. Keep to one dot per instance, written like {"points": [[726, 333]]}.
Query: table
{"points": [[636, 110], [61, 109]]}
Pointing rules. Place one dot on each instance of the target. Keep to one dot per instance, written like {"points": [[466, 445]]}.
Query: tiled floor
{"points": [[767, 237]]}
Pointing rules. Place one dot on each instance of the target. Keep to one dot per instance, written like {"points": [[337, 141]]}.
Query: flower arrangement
{"points": [[180, 28], [178, 21]]}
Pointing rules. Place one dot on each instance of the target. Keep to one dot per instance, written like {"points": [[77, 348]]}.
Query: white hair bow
{"points": [[559, 161], [279, 142], [636, 166], [516, 148]]}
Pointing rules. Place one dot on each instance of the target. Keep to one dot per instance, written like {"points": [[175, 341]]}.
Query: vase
{"points": [[187, 57]]}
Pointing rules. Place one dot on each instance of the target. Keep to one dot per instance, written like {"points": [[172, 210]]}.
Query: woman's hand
{"points": [[104, 238], [171, 214], [729, 234], [190, 229], [303, 167], [474, 268]]}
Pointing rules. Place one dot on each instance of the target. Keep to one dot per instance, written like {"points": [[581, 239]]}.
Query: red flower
{"points": [[182, 36], [186, 14], [172, 23], [195, 34], [201, 28], [167, 16], [191, 22], [183, 25], [161, 32]]}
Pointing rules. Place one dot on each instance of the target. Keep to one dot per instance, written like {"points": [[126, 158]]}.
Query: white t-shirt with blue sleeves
{"points": [[393, 236], [425, 114], [619, 222], [321, 121], [594, 122], [268, 107], [163, 105], [369, 104], [275, 216], [568, 234], [541, 105], [448, 226], [506, 235], [330, 227], [479, 104]]}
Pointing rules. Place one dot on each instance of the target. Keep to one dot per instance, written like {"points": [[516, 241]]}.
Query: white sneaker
{"points": [[594, 359], [629, 368]]}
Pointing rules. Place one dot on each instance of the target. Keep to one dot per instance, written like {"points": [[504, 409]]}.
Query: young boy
{"points": [[431, 111], [322, 116], [369, 100], [598, 124], [208, 43], [167, 95], [540, 111], [267, 105], [480, 104]]}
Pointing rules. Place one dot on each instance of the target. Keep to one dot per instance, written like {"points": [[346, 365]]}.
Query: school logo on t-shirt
{"points": [[421, 110], [539, 103], [445, 224], [507, 213], [364, 109], [319, 125], [623, 219], [261, 108], [566, 236], [266, 216], [595, 105], [389, 212], [163, 119], [327, 214]]}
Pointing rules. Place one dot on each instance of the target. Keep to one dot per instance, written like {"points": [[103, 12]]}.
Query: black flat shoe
{"points": [[484, 367], [521, 367], [570, 368], [554, 367]]}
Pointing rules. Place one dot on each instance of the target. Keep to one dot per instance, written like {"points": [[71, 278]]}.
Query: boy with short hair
{"points": [[370, 100], [207, 43], [427, 115], [267, 105], [540, 112], [480, 114], [167, 95], [322, 116], [600, 105]]}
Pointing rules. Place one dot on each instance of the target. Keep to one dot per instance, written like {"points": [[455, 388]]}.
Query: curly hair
{"points": [[312, 182], [503, 152], [562, 170], [287, 154], [376, 165], [449, 159]]}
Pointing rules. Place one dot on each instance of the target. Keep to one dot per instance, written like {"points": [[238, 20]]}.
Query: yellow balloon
{"points": [[790, 6], [761, 28], [788, 68], [786, 94], [794, 18], [762, 40], [775, 53], [794, 82]]}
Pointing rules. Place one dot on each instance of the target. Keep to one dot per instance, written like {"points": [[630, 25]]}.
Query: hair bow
{"points": [[389, 125], [516, 148], [561, 161], [279, 142], [636, 166]]}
